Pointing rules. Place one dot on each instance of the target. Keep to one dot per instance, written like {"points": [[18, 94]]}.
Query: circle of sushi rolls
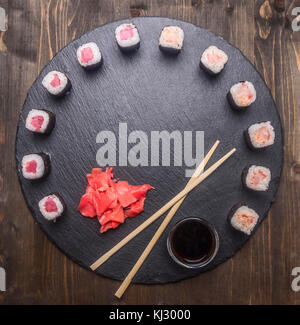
{"points": [[89, 56], [171, 39], [52, 206], [56, 83], [35, 166], [40, 121], [241, 95], [260, 135], [256, 178], [213, 60], [242, 218], [127, 37]]}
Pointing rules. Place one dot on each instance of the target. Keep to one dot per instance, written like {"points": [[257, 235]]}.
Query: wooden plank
{"points": [[3, 130], [276, 58]]}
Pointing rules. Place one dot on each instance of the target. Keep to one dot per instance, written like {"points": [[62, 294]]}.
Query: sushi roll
{"points": [[243, 218], [36, 166], [127, 37], [56, 83], [213, 60], [40, 121], [256, 178], [241, 95], [89, 56], [52, 206], [260, 135], [171, 39]]}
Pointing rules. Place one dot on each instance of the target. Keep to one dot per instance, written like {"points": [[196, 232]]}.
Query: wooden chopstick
{"points": [[161, 211], [126, 282], [150, 220]]}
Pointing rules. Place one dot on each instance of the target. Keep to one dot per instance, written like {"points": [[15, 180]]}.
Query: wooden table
{"points": [[260, 273]]}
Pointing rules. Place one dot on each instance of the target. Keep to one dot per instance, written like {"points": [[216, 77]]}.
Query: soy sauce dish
{"points": [[193, 242]]}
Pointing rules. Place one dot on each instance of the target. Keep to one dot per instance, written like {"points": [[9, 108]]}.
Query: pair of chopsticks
{"points": [[174, 205]]}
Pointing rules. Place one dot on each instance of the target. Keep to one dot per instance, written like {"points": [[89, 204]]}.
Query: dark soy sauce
{"points": [[192, 241]]}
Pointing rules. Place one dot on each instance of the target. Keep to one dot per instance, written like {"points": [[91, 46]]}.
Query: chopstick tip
{"points": [[94, 266], [118, 295]]}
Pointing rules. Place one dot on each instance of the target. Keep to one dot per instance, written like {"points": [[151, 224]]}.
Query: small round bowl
{"points": [[204, 261]]}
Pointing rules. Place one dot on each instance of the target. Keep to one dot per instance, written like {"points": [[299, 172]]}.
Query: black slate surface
{"points": [[149, 91]]}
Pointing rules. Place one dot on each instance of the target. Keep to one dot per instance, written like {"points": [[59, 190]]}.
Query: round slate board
{"points": [[150, 91]]}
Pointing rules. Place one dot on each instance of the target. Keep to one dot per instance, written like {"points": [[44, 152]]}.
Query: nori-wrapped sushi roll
{"points": [[260, 135], [242, 218], [89, 56], [213, 60], [171, 39], [56, 83], [40, 121], [36, 166], [256, 178], [52, 206], [241, 95], [127, 37]]}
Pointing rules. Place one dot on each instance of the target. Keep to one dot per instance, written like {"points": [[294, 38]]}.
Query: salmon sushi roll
{"points": [[40, 121], [213, 60], [52, 206], [56, 83], [171, 39], [89, 56], [127, 37], [241, 95], [256, 178], [35, 166], [260, 135], [242, 218]]}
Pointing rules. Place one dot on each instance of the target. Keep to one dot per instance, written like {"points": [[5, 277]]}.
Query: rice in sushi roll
{"points": [[171, 39], [256, 178], [89, 56], [52, 206], [56, 83], [127, 37], [242, 218], [35, 166], [241, 95], [213, 60], [260, 135], [40, 121]]}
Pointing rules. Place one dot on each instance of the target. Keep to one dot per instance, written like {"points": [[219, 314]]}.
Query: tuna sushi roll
{"points": [[241, 95], [52, 206], [56, 83], [213, 60], [256, 178], [171, 39], [40, 121], [243, 218], [89, 56], [260, 135], [35, 166], [127, 37]]}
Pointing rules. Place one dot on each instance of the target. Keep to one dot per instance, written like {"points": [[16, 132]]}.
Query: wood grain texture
{"points": [[261, 272]]}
